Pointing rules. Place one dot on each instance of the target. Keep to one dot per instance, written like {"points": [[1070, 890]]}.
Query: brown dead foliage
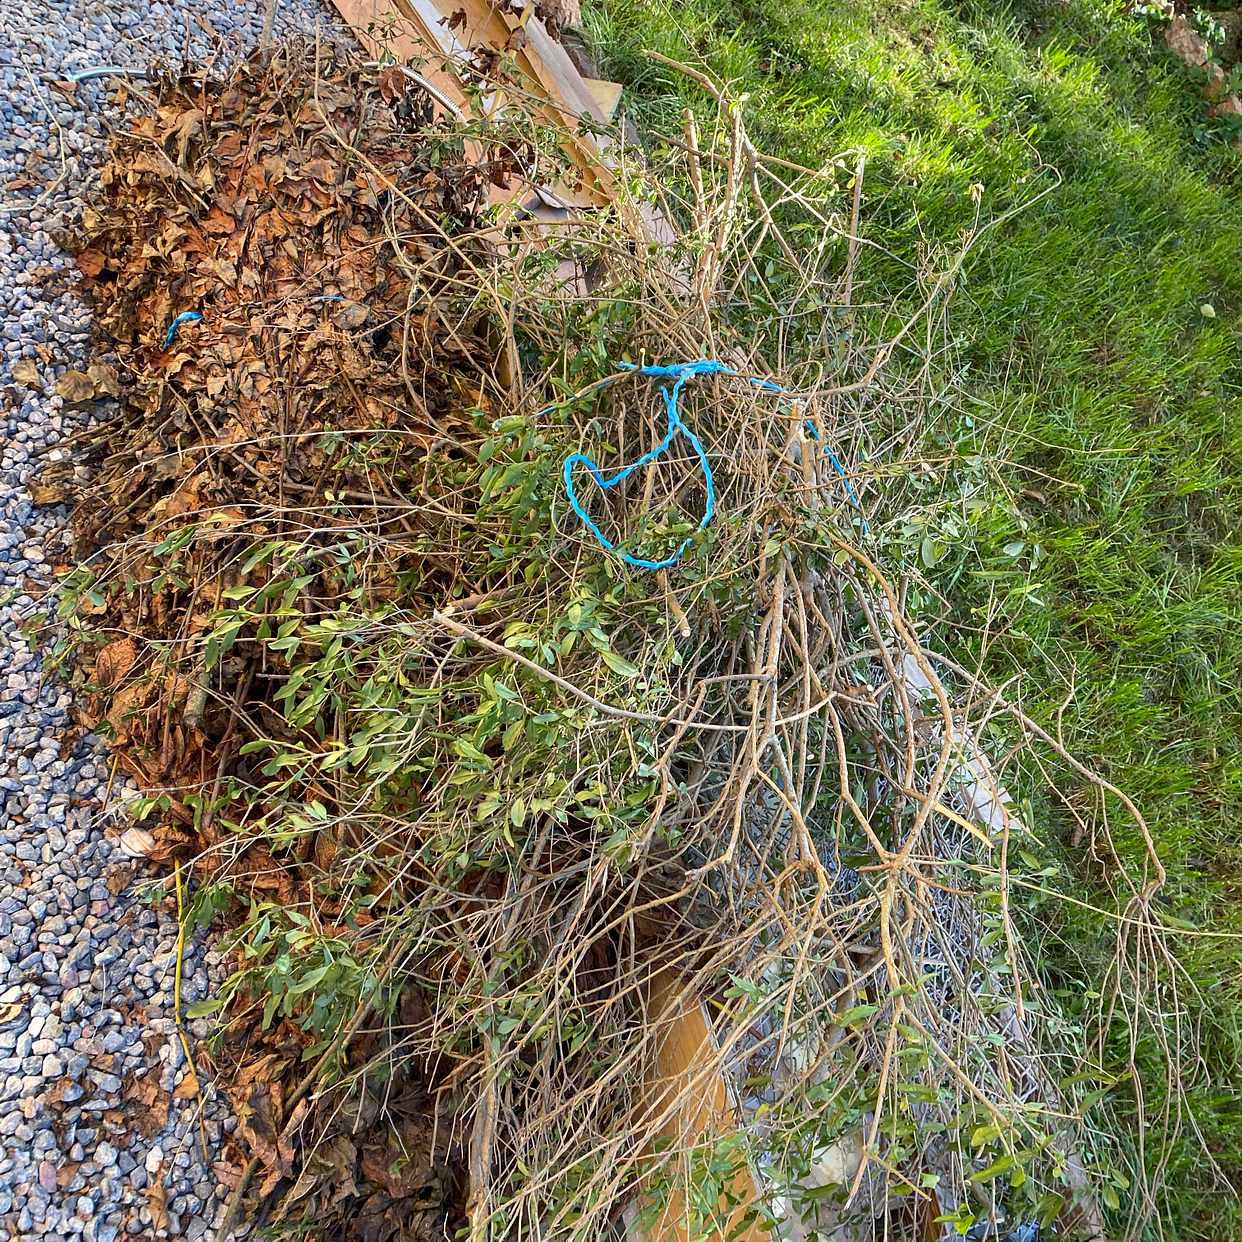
{"points": [[304, 210], [301, 208]]}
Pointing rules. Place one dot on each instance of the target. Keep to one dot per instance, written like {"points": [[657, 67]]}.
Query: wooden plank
{"points": [[688, 1071], [416, 32], [551, 63], [384, 30], [552, 75]]}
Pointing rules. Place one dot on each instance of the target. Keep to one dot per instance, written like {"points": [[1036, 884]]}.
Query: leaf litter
{"points": [[287, 206]]}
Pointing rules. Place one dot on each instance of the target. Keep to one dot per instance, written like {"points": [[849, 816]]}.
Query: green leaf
{"points": [[855, 1014], [619, 664], [204, 1008], [269, 1009], [468, 750], [994, 1170]]}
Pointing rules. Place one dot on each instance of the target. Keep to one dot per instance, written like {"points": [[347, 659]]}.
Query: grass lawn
{"points": [[1095, 344]]}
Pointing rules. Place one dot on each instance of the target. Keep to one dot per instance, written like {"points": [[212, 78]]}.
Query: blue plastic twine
{"points": [[672, 396], [679, 373], [184, 317]]}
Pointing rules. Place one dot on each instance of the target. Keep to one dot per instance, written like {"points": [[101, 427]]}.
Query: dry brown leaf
{"points": [[114, 662], [157, 1203], [119, 877], [125, 704], [226, 1174], [47, 493], [105, 379], [75, 387], [322, 170], [91, 262], [258, 1123], [219, 223], [148, 1105], [332, 1162], [350, 314], [187, 1088], [26, 371]]}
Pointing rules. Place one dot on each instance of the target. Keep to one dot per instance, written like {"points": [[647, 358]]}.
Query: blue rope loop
{"points": [[679, 373], [674, 426]]}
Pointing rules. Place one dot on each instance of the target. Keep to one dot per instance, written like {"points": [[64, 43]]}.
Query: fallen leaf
{"points": [[26, 371], [218, 223], [114, 662], [105, 379], [258, 1123], [350, 314], [226, 1174], [119, 878], [187, 1088], [148, 1105], [124, 707], [136, 842], [91, 262], [157, 1203], [49, 493], [322, 170], [92, 606], [392, 84], [76, 387]]}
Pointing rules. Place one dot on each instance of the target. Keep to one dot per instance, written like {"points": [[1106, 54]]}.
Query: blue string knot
{"points": [[679, 373]]}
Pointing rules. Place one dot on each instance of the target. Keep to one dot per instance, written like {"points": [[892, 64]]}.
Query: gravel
{"points": [[85, 958]]}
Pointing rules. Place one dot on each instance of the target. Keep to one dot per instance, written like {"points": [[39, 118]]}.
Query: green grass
{"points": [[1102, 396]]}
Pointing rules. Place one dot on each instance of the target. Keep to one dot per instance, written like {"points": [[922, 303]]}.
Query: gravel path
{"points": [[89, 1055]]}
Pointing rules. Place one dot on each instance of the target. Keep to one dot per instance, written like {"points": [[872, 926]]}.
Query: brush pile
{"points": [[252, 280], [237, 202], [483, 811]]}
